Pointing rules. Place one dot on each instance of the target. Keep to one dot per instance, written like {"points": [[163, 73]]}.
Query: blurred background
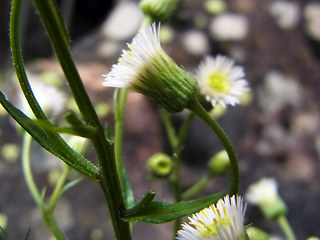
{"points": [[276, 134]]}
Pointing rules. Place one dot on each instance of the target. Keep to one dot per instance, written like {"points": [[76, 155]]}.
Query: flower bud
{"points": [[147, 69], [256, 233], [264, 194], [159, 10], [159, 165], [219, 163]]}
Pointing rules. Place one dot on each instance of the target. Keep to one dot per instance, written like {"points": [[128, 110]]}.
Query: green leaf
{"points": [[161, 212], [50, 143], [85, 131]]}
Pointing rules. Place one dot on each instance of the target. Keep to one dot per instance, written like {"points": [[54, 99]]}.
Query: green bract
{"points": [[159, 10]]}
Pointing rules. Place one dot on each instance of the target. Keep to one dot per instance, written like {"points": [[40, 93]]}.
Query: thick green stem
{"points": [[286, 228], [196, 107], [109, 179], [57, 146]]}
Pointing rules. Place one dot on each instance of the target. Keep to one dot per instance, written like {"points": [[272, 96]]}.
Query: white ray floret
{"points": [[221, 81], [147, 69], [143, 48], [223, 221]]}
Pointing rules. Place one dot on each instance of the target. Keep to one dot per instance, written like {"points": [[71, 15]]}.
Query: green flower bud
{"points": [[159, 10], [313, 238], [256, 233], [215, 6], [10, 152], [159, 165], [264, 194], [147, 69], [219, 163]]}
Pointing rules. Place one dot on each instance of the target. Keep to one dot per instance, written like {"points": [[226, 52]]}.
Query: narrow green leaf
{"points": [[85, 131], [160, 212], [71, 184], [64, 152], [141, 205]]}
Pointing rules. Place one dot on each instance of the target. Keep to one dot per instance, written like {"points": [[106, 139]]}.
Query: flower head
{"points": [[264, 193], [147, 69], [223, 221], [220, 81]]}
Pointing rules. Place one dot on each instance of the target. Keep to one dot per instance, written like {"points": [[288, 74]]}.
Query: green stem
{"points": [[58, 190], [176, 142], [46, 213], [234, 168], [119, 108], [57, 34], [286, 228], [57, 146], [18, 59], [109, 179], [52, 223], [166, 119], [26, 167], [197, 187]]}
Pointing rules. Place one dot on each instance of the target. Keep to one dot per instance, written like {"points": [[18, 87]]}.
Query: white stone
{"points": [[229, 26], [123, 22], [195, 42], [285, 13], [279, 90], [311, 14]]}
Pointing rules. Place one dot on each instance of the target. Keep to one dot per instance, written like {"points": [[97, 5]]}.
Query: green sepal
{"points": [[161, 212], [58, 148]]}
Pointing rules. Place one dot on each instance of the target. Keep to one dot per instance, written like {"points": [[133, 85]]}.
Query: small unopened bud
{"points": [[264, 194], [256, 233], [159, 10], [313, 238], [219, 163], [159, 165]]}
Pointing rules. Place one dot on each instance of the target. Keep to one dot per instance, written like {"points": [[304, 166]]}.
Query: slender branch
{"points": [[46, 213], [286, 228], [234, 168], [119, 107], [197, 187], [26, 167], [58, 190]]}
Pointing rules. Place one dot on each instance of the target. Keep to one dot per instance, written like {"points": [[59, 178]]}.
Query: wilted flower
{"points": [[223, 221], [220, 81], [147, 69]]}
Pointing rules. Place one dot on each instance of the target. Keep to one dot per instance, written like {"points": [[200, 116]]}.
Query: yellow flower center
{"points": [[212, 228], [219, 81]]}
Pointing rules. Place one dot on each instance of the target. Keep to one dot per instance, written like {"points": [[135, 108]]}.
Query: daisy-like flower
{"points": [[220, 81], [264, 194], [223, 221], [147, 69]]}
